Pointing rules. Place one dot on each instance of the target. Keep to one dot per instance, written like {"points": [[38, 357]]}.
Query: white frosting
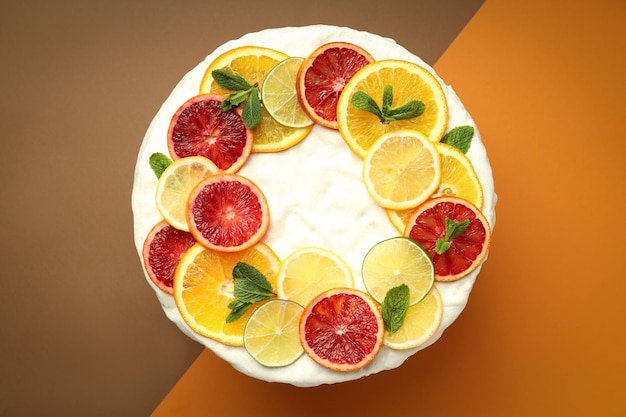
{"points": [[316, 197]]}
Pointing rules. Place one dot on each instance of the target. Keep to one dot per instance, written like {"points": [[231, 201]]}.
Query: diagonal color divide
{"points": [[544, 83]]}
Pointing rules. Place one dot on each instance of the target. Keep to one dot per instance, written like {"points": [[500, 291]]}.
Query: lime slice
{"points": [[271, 334], [420, 324], [394, 262], [279, 95]]}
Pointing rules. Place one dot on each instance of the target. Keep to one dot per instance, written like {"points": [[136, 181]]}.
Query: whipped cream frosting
{"points": [[316, 197]]}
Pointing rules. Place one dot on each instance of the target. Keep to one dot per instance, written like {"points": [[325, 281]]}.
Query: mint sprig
{"points": [[243, 92], [394, 307], [460, 137], [453, 229], [251, 286], [386, 113], [158, 163]]}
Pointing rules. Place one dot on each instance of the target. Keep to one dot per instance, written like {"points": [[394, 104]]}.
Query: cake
{"points": [[315, 190]]}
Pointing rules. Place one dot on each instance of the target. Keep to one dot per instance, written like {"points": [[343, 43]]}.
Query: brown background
{"points": [[83, 333]]}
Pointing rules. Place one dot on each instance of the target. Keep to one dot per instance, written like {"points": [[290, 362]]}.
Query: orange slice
{"points": [[322, 76], [253, 63], [203, 288], [409, 81]]}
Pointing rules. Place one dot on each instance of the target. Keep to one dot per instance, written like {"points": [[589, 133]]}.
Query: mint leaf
{"points": [[251, 113], [395, 306], [408, 111], [453, 229], [460, 137], [234, 100], [229, 80], [250, 284], [362, 101], [158, 163], [238, 308]]}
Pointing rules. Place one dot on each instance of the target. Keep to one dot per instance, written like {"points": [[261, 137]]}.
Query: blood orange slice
{"points": [[200, 127], [227, 212], [342, 329], [322, 76], [162, 251], [455, 234]]}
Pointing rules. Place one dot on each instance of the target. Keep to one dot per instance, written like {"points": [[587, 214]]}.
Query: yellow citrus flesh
{"points": [[420, 324], [401, 170], [253, 63], [271, 334], [458, 179], [309, 271], [409, 81], [280, 98], [203, 288], [394, 262], [175, 185]]}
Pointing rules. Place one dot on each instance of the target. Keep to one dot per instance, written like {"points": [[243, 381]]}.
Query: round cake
{"points": [[317, 198]]}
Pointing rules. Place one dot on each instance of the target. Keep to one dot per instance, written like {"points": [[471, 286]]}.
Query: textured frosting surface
{"points": [[316, 197]]}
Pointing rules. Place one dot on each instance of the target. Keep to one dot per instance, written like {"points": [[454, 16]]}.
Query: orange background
{"points": [[543, 332]]}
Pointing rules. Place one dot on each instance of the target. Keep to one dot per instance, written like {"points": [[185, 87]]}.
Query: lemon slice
{"points": [[279, 95], [175, 185], [309, 271], [401, 170], [394, 262], [271, 334], [420, 324], [458, 179]]}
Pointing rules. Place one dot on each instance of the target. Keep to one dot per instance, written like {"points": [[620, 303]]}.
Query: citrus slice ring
{"points": [[401, 170], [342, 329], [227, 212], [323, 75], [272, 334], [318, 196], [454, 253], [253, 63], [394, 262], [200, 127], [410, 81], [175, 185], [203, 288], [309, 271], [280, 98], [162, 250]]}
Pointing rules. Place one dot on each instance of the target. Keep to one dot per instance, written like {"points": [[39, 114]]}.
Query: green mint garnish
{"points": [[386, 113], [453, 229], [251, 286], [158, 163], [459, 137], [243, 92], [394, 307]]}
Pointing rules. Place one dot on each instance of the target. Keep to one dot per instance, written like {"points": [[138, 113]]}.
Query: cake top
{"points": [[317, 197]]}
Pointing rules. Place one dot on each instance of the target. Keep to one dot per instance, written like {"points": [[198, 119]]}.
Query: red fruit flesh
{"points": [[341, 330], [163, 249], [465, 249], [326, 77], [200, 127], [227, 213]]}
